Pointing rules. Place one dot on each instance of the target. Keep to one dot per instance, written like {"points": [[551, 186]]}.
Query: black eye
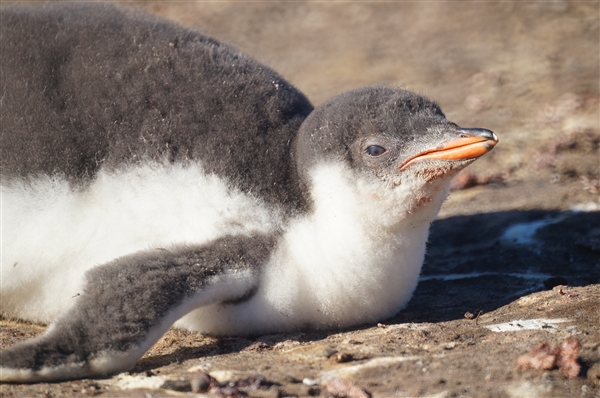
{"points": [[375, 150]]}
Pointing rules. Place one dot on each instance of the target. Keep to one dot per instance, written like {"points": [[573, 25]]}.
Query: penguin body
{"points": [[152, 176], [119, 133]]}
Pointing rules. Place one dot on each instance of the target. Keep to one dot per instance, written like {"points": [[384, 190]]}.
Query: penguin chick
{"points": [[152, 176]]}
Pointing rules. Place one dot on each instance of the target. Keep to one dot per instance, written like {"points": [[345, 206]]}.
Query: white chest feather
{"points": [[52, 234]]}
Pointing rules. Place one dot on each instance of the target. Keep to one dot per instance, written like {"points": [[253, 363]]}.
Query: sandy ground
{"points": [[514, 258]]}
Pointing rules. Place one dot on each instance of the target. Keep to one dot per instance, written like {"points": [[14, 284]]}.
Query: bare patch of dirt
{"points": [[513, 259]]}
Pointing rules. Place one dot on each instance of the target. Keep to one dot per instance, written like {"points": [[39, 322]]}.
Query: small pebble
{"points": [[309, 382], [329, 352], [201, 382], [340, 388], [341, 357]]}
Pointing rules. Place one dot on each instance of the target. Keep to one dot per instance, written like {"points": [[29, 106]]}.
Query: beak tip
{"points": [[493, 137], [479, 132]]}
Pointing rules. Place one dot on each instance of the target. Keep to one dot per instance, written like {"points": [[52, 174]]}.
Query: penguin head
{"points": [[390, 138]]}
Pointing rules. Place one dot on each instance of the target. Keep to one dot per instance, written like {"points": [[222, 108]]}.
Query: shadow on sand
{"points": [[485, 261]]}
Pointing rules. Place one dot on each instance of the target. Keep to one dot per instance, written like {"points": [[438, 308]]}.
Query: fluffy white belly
{"points": [[53, 233], [355, 258]]}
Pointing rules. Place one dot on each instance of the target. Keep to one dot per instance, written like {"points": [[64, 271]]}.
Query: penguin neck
{"points": [[359, 249], [352, 214]]}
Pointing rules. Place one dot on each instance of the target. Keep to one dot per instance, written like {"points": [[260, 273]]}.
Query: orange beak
{"points": [[463, 148]]}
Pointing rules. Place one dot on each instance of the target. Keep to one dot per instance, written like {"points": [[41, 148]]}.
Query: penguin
{"points": [[154, 177]]}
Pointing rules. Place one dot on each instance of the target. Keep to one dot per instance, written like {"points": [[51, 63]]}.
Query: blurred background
{"points": [[527, 70]]}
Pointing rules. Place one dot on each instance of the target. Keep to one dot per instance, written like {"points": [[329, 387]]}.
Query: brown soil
{"points": [[521, 222]]}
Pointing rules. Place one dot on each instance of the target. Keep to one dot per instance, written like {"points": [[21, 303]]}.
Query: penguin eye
{"points": [[375, 150]]}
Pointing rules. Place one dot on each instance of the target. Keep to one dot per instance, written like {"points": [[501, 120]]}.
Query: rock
{"points": [[340, 388]]}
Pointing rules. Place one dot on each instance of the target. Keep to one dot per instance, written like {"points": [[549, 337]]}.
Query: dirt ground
{"points": [[514, 258]]}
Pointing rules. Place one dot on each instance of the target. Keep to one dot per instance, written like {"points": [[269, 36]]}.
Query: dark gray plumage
{"points": [[152, 176], [106, 86]]}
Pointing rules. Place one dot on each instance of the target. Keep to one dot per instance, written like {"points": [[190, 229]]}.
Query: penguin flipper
{"points": [[130, 302]]}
